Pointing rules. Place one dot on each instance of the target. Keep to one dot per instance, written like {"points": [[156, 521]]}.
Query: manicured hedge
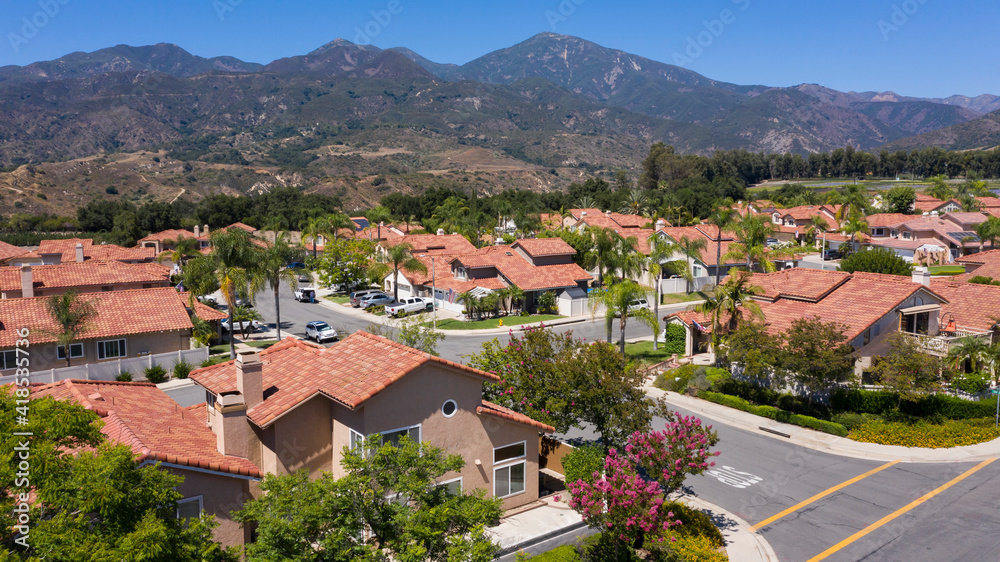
{"points": [[767, 397], [776, 414], [952, 433], [882, 402]]}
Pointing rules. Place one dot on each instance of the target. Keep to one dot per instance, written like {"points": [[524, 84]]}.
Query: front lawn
{"points": [[339, 299], [643, 352], [674, 298], [453, 324], [946, 269]]}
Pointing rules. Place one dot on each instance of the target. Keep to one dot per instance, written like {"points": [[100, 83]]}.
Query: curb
{"points": [[539, 539], [741, 543]]}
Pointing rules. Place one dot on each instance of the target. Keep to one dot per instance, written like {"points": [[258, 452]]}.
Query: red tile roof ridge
{"points": [[499, 411], [977, 257]]}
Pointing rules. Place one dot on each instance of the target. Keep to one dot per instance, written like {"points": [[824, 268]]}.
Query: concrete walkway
{"points": [[554, 517], [825, 442]]}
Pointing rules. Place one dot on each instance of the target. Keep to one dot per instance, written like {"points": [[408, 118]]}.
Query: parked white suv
{"points": [[636, 304], [320, 331], [305, 294], [411, 305]]}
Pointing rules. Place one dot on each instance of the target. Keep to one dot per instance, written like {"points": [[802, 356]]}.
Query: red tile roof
{"points": [[164, 235], [709, 234], [989, 256], [91, 251], [8, 251], [119, 313], [887, 220], [927, 204], [435, 244], [989, 265], [988, 202], [799, 283], [156, 428], [538, 247], [85, 274], [491, 409], [973, 306], [351, 372]]}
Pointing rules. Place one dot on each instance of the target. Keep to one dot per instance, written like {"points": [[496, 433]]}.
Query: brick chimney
{"points": [[79, 252], [922, 275], [232, 430], [197, 231], [249, 377], [27, 283]]}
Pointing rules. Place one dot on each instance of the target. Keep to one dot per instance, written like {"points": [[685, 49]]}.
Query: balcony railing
{"points": [[941, 344]]}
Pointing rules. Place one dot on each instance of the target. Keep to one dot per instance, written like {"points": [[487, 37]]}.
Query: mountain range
{"points": [[550, 102]]}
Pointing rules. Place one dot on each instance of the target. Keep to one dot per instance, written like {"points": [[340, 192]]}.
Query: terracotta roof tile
{"points": [[887, 220], [91, 251], [119, 313], [435, 244], [156, 428], [85, 274], [164, 235], [351, 372], [8, 251], [973, 306], [538, 247], [491, 409], [989, 202]]}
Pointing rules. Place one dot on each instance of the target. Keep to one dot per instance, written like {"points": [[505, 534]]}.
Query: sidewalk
{"points": [[825, 442], [554, 518]]}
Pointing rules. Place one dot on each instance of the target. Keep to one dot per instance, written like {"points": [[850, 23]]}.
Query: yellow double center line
{"points": [[899, 512], [819, 496]]}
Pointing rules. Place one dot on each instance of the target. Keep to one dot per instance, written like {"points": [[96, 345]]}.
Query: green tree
{"points": [[616, 301], [816, 354], [234, 260], [722, 218], [900, 199], [751, 232], [601, 252], [875, 259], [91, 501], [272, 266], [312, 228], [378, 215], [939, 189], [73, 315], [244, 314], [386, 507], [198, 277], [692, 249], [184, 248], [410, 332], [335, 222], [755, 351], [973, 349], [988, 231], [855, 228], [730, 301], [126, 230], [907, 370], [660, 250], [636, 203], [345, 261], [400, 256]]}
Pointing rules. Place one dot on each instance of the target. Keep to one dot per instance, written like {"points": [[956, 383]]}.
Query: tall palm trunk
{"points": [[232, 328], [621, 337], [718, 259], [277, 310]]}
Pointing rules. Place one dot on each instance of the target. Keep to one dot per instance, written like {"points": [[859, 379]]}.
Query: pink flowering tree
{"points": [[629, 506], [669, 456]]}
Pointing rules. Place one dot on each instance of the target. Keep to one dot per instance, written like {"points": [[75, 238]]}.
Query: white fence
{"points": [[679, 285], [108, 370]]}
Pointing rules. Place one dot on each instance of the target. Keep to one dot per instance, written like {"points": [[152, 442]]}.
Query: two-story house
{"points": [[297, 406], [83, 277]]}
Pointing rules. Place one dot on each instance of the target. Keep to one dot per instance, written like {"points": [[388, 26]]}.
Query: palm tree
{"points": [[971, 348], [451, 213], [939, 189], [587, 202], [636, 203], [313, 228], [625, 257], [335, 222], [234, 259], [601, 253], [399, 257], [273, 267], [184, 248], [988, 231], [752, 232], [853, 200], [816, 226], [729, 301], [660, 250], [471, 303], [855, 228], [692, 250], [722, 218], [617, 300], [73, 315], [376, 216]]}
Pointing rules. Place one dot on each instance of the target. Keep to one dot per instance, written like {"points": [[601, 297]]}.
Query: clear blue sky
{"points": [[929, 48]]}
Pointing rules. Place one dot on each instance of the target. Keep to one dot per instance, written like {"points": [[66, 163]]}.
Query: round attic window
{"points": [[449, 408]]}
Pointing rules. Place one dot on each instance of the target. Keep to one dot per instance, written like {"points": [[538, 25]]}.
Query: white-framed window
{"points": [[906, 236], [454, 486], [395, 435], [509, 478], [449, 408], [190, 508], [878, 232], [75, 350], [894, 233], [356, 438], [110, 349], [8, 359]]}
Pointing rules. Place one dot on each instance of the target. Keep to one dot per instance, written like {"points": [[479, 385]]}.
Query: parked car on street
{"points": [[356, 296], [772, 242], [376, 299], [410, 305], [345, 287], [244, 302], [319, 331], [304, 278], [208, 300], [636, 304], [248, 325], [830, 254], [305, 294], [296, 265]]}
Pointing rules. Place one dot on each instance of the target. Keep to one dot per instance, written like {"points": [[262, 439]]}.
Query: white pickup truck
{"points": [[411, 305]]}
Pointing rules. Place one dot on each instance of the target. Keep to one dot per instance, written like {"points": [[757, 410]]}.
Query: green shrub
{"points": [[182, 370], [123, 376], [971, 382], [776, 414], [582, 462], [695, 522], [675, 339], [155, 374], [749, 391], [716, 377], [695, 548], [677, 379], [952, 433], [850, 420], [863, 401], [564, 553]]}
